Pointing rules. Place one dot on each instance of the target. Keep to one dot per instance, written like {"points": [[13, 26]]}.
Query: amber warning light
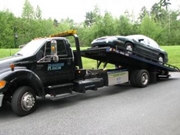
{"points": [[64, 34]]}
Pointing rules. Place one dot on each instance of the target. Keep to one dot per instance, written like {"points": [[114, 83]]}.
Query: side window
{"points": [[61, 47], [145, 41], [153, 44], [48, 48]]}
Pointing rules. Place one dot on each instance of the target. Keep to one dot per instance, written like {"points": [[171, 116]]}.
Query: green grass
{"points": [[173, 55], [7, 52]]}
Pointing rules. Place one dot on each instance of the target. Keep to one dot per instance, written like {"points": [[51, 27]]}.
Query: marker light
{"points": [[2, 84], [12, 66]]}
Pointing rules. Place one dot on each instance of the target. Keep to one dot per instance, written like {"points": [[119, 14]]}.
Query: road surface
{"points": [[115, 110]]}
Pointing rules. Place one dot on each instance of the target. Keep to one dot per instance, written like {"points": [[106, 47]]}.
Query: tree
{"points": [[7, 36], [55, 23], [151, 28], [164, 3], [143, 13], [92, 16], [124, 26], [38, 13], [28, 11], [90, 19]]}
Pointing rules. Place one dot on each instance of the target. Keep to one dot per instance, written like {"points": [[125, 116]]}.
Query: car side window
{"points": [[144, 41], [153, 44]]}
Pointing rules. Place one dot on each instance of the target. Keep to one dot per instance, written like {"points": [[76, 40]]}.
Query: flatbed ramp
{"points": [[126, 59]]}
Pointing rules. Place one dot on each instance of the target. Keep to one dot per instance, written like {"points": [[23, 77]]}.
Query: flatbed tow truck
{"points": [[48, 66]]}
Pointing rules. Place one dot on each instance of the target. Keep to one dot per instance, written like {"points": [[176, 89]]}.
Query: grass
{"points": [[7, 52], [173, 54]]}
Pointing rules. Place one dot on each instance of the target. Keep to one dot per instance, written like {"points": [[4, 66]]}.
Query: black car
{"points": [[134, 44]]}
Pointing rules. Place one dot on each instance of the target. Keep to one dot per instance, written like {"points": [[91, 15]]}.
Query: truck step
{"points": [[66, 95], [60, 86]]}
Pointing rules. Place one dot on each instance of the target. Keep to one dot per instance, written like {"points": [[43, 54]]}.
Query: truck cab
{"points": [[45, 66]]}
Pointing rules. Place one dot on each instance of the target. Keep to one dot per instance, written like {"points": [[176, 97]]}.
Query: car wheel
{"points": [[129, 47], [23, 101], [160, 59]]}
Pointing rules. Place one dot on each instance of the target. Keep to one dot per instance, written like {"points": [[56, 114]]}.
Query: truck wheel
{"points": [[23, 101], [142, 78], [133, 78]]}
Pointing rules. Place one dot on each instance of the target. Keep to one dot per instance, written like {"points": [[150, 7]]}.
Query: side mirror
{"points": [[54, 51], [53, 47]]}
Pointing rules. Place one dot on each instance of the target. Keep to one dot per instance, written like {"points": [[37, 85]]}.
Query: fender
{"points": [[22, 74]]}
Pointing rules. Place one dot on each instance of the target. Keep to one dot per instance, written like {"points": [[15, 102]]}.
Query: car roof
{"points": [[148, 39]]}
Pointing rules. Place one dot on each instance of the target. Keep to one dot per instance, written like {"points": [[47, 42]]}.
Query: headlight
{"points": [[2, 84]]}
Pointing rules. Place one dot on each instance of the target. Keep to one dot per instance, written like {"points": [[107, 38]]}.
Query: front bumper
{"points": [[1, 99]]}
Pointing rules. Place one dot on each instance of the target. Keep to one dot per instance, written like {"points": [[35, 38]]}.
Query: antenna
{"points": [[10, 51]]}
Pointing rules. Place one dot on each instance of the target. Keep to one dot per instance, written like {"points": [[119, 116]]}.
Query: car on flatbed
{"points": [[134, 44]]}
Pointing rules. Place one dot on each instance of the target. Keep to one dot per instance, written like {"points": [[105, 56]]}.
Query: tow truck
{"points": [[49, 67]]}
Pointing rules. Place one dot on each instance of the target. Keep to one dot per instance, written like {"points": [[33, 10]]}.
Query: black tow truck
{"points": [[49, 66]]}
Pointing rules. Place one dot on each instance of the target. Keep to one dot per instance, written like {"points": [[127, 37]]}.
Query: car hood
{"points": [[5, 62]]}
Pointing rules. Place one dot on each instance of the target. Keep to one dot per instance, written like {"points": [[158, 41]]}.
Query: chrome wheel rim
{"points": [[144, 78], [129, 49], [27, 101]]}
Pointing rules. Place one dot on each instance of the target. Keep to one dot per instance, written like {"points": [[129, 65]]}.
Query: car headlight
{"points": [[2, 84]]}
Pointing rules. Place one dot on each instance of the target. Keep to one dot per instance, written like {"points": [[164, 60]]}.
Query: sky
{"points": [[76, 9]]}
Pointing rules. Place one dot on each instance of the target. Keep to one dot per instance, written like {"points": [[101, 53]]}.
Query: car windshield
{"points": [[146, 40], [31, 47]]}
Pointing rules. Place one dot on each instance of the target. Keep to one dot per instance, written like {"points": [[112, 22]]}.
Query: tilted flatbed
{"points": [[126, 60], [141, 70]]}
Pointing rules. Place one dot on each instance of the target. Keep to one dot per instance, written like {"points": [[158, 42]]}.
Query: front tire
{"points": [[23, 101], [160, 59]]}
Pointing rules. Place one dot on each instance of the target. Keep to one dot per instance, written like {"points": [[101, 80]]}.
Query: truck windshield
{"points": [[31, 47]]}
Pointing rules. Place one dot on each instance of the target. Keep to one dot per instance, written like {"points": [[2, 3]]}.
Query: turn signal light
{"points": [[2, 84], [12, 67]]}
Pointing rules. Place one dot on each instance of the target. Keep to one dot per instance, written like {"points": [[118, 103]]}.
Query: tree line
{"points": [[160, 23]]}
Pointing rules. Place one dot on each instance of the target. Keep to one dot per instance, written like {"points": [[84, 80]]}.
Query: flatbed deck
{"points": [[125, 59]]}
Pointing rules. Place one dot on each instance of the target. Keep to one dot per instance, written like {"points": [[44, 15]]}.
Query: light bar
{"points": [[64, 34]]}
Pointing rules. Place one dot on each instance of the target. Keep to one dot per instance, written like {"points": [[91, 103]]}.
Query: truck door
{"points": [[65, 72], [43, 60], [51, 72]]}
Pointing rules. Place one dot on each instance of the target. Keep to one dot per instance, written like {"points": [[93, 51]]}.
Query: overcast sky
{"points": [[76, 9]]}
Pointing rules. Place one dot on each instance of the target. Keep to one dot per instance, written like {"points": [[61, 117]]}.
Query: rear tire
{"points": [[133, 78], [23, 101], [142, 78]]}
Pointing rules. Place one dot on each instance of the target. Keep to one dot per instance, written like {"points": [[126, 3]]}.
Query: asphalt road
{"points": [[115, 110]]}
